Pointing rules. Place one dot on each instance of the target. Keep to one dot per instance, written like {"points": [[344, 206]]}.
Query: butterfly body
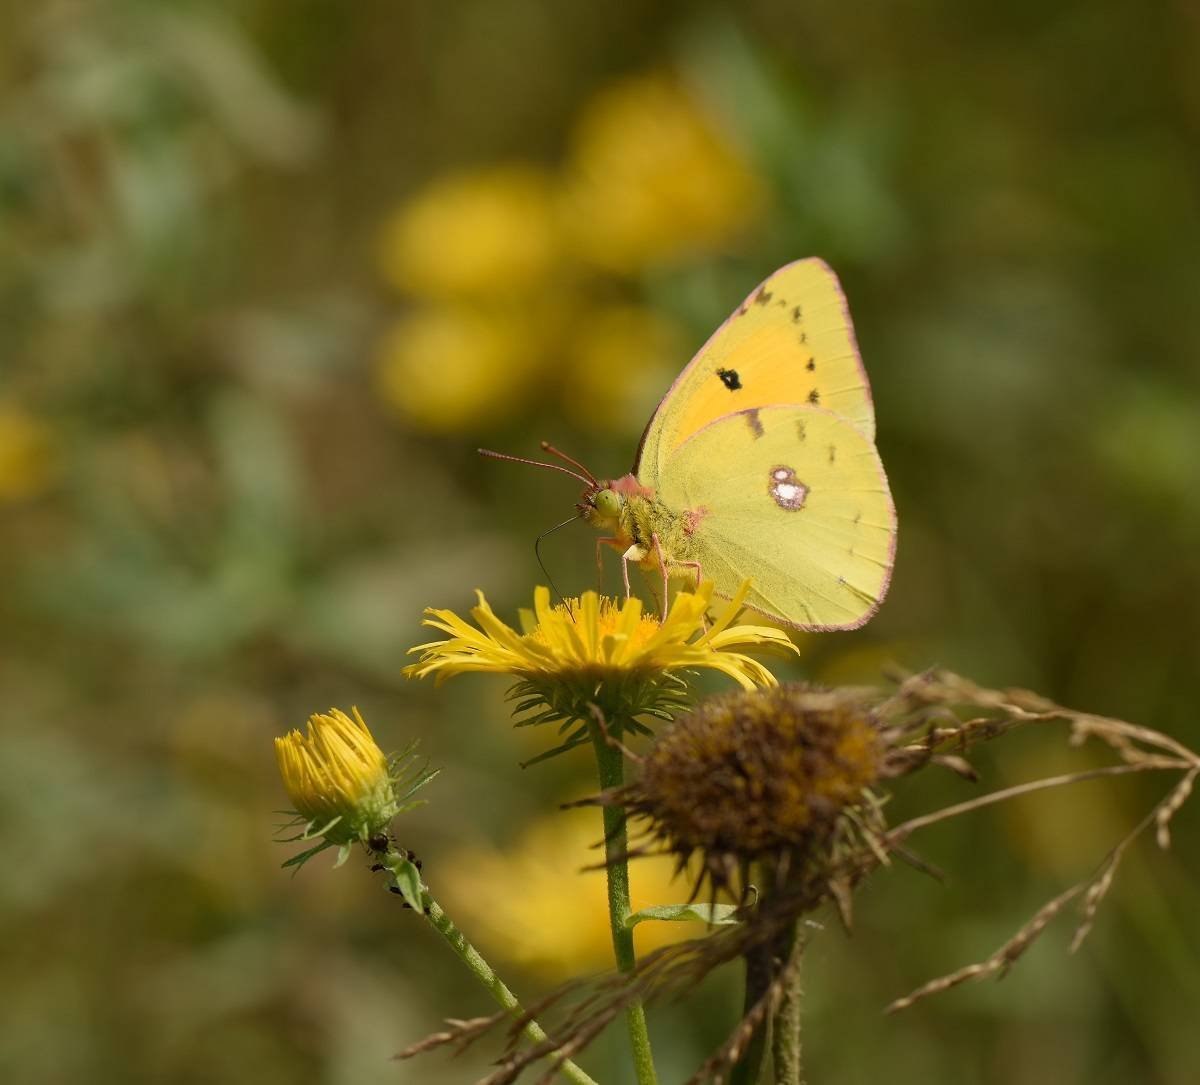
{"points": [[760, 464], [641, 528]]}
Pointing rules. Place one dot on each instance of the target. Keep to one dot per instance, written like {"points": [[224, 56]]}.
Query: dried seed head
{"points": [[757, 775]]}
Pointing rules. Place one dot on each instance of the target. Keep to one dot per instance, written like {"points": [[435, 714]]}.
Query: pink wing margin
{"points": [[740, 311]]}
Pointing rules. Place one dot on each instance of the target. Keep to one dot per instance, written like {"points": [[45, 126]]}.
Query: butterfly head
{"points": [[601, 506], [606, 505]]}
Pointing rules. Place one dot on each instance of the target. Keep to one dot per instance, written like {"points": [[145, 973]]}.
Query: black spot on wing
{"points": [[797, 314], [763, 296], [801, 430], [755, 423], [814, 397], [812, 364], [730, 378], [832, 453]]}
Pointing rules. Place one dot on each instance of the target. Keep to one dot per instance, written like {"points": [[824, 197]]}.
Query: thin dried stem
{"points": [[1094, 888], [907, 828], [998, 962]]}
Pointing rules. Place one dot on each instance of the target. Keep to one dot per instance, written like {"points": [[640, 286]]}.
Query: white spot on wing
{"points": [[787, 491]]}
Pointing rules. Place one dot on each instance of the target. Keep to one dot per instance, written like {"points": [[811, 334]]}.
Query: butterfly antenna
{"points": [[587, 479], [548, 447], [537, 553]]}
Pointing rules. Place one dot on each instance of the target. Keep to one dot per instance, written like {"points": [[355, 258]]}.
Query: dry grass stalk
{"points": [[1140, 749], [999, 962]]}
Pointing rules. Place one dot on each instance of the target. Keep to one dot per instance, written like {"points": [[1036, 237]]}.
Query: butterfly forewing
{"points": [[794, 498], [790, 341]]}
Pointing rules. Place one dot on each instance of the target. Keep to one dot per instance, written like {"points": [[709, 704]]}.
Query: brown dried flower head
{"points": [[756, 776]]}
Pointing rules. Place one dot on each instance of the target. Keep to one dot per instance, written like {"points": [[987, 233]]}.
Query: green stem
{"points": [[495, 986], [785, 1034], [611, 765]]}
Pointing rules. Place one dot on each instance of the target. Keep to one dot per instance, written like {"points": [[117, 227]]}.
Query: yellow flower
{"points": [[594, 639], [26, 455], [456, 367], [651, 178], [491, 232], [338, 779], [534, 902]]}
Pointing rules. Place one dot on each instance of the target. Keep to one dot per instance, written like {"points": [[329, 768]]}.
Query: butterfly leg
{"points": [[666, 577], [694, 565], [634, 553]]}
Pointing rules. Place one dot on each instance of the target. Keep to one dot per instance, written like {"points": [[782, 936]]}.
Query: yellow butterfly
{"points": [[760, 464]]}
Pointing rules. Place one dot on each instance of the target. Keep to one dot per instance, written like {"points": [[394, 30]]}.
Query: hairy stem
{"points": [[610, 762], [785, 1034], [494, 985]]}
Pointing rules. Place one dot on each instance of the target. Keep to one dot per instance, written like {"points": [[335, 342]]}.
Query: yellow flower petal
{"points": [[336, 770], [594, 638]]}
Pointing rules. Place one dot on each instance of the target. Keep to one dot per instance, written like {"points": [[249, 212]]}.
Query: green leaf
{"points": [[408, 880], [716, 915]]}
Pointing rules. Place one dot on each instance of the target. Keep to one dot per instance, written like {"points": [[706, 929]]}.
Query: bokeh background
{"points": [[270, 272]]}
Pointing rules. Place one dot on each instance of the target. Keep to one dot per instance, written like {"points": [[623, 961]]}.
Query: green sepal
{"points": [[715, 915], [579, 738], [310, 832], [408, 880], [343, 855], [407, 779], [304, 856]]}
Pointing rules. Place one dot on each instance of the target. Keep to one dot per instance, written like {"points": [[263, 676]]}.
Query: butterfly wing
{"points": [[794, 498], [790, 341]]}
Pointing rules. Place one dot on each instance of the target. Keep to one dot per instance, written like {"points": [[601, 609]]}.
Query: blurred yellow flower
{"points": [[26, 455], [533, 902], [492, 232], [337, 777], [620, 361], [456, 367], [651, 178], [594, 639]]}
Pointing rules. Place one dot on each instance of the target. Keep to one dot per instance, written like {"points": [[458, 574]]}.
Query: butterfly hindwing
{"points": [[795, 498], [790, 341]]}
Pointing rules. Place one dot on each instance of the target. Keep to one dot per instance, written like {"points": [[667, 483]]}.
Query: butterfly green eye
{"points": [[608, 504]]}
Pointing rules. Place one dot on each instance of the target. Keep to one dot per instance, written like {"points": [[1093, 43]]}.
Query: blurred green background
{"points": [[270, 272]]}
